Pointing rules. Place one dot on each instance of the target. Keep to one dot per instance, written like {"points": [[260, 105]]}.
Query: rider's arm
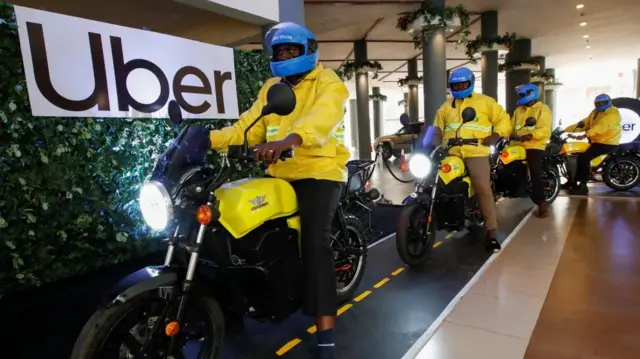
{"points": [[500, 120], [326, 116], [575, 128], [438, 126], [234, 134], [610, 120], [543, 125]]}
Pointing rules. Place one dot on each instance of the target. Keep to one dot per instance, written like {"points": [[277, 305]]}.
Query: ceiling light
{"points": [[583, 24], [585, 36], [579, 6], [587, 47]]}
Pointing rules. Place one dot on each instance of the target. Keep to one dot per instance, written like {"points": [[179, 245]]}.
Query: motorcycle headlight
{"points": [[419, 165], [155, 205]]}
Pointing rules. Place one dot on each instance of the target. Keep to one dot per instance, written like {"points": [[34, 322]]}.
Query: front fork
{"points": [[433, 201]]}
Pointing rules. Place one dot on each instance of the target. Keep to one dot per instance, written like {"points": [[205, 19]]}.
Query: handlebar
{"points": [[460, 142], [237, 152], [283, 155]]}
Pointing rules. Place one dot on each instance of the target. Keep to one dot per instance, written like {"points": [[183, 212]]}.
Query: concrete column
{"points": [[378, 119], [290, 11], [638, 80], [362, 97], [406, 103], [521, 52], [542, 71], [489, 59], [550, 100], [353, 123], [414, 99], [434, 69]]}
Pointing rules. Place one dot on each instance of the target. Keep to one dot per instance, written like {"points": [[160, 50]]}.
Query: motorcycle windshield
{"points": [[189, 149]]}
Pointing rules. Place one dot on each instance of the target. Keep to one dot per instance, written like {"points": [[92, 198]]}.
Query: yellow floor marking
{"points": [[381, 283], [290, 345], [362, 296], [449, 235], [312, 330], [437, 244], [397, 271], [344, 309]]}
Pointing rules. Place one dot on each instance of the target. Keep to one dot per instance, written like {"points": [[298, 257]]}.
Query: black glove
{"points": [[524, 138]]}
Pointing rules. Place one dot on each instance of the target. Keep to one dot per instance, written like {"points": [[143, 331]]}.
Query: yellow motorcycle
{"points": [[619, 170], [443, 198], [240, 251]]}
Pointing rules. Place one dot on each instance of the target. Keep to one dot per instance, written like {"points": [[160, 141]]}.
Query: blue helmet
{"points": [[462, 75], [294, 34], [528, 93], [602, 102]]}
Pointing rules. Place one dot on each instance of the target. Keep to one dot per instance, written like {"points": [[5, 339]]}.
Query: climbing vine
{"points": [[430, 18], [478, 44], [350, 67], [409, 81], [378, 97]]}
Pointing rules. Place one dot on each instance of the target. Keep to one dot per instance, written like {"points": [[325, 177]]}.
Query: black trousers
{"points": [[584, 159], [317, 205], [534, 160]]}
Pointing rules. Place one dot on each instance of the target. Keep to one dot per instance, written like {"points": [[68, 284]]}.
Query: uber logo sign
{"points": [[77, 67]]}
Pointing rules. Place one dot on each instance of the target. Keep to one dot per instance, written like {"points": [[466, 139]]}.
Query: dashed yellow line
{"points": [[290, 345], [437, 244], [344, 309], [449, 235], [381, 283], [312, 329], [397, 271], [362, 296]]}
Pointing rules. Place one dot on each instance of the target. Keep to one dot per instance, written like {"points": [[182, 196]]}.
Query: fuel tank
{"points": [[513, 153]]}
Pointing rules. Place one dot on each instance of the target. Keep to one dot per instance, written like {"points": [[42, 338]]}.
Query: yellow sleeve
{"points": [[234, 135], [607, 122], [327, 113], [543, 124], [500, 120], [574, 128]]}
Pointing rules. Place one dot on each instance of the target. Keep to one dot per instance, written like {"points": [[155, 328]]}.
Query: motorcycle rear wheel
{"points": [[612, 181], [105, 322], [551, 179], [411, 233], [352, 276]]}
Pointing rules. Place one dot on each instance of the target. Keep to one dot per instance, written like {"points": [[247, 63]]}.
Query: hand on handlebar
{"points": [[525, 138], [272, 152], [491, 139], [577, 137]]}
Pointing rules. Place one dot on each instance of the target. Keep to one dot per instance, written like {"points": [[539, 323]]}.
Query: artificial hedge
{"points": [[69, 186]]}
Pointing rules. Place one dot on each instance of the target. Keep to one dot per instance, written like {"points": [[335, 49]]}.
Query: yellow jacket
{"points": [[490, 118], [317, 118], [601, 127], [541, 131]]}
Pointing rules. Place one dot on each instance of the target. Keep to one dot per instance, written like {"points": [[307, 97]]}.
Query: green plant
{"points": [[350, 67], [406, 80], [508, 66], [69, 186], [434, 17], [474, 46], [378, 97]]}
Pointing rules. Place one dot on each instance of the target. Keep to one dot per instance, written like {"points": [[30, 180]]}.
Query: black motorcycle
{"points": [[240, 244]]}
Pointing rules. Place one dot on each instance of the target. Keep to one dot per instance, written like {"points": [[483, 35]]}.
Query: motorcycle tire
{"points": [[552, 172], [100, 325], [410, 217], [356, 235], [387, 152], [607, 178]]}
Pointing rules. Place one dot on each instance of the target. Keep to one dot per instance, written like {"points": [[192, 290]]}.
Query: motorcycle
{"points": [[358, 199], [510, 173], [619, 170], [443, 198], [242, 240]]}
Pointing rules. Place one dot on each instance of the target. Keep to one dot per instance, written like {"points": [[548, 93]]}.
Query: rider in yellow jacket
{"points": [[318, 167], [603, 128], [491, 123], [533, 138]]}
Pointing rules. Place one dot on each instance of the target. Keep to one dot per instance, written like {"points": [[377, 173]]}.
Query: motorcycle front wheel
{"points": [[622, 174], [413, 242], [121, 331]]}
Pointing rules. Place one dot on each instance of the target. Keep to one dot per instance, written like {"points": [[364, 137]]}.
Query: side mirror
{"points": [[530, 122], [281, 100], [175, 113], [468, 114]]}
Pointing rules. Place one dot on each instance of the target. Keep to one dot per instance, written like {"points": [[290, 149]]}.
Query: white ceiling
{"points": [[553, 26]]}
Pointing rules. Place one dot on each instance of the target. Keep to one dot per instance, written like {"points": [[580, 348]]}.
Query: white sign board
{"points": [[82, 68], [630, 125]]}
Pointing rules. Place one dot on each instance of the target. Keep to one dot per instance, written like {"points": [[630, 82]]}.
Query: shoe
{"points": [[543, 210], [492, 244], [580, 190], [567, 186]]}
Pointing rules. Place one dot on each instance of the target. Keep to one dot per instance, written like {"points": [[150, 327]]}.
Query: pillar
{"points": [[489, 59], [521, 52], [406, 103], [362, 100], [550, 99], [414, 99], [434, 69], [638, 80], [290, 11], [378, 119], [542, 71], [353, 123]]}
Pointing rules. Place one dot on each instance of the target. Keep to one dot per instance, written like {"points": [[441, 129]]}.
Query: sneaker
{"points": [[492, 244], [580, 190]]}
